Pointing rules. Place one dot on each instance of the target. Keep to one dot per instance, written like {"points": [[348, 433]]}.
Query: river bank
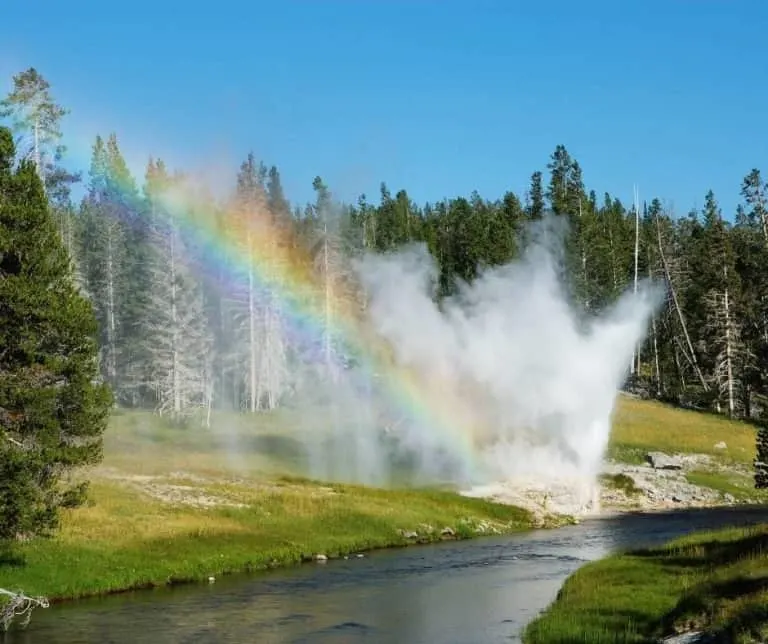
{"points": [[705, 587], [175, 505], [144, 531], [453, 592]]}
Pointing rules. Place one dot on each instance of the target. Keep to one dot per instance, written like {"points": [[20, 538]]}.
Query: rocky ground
{"points": [[659, 484]]}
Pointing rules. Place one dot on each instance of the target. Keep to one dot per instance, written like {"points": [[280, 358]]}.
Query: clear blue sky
{"points": [[439, 97]]}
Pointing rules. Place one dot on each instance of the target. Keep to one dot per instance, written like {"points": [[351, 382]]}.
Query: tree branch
{"points": [[19, 605]]}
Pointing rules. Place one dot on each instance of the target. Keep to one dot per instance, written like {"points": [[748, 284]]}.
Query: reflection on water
{"points": [[469, 592]]}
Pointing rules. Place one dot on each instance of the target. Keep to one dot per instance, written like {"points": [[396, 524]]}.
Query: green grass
{"points": [[739, 485], [140, 527], [714, 581], [620, 482], [642, 426]]}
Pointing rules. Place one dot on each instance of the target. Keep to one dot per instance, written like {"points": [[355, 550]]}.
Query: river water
{"points": [[469, 592]]}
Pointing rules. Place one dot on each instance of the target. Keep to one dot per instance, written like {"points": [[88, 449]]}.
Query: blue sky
{"points": [[439, 97]]}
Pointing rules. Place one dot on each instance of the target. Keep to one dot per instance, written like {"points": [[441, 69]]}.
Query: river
{"points": [[468, 592]]}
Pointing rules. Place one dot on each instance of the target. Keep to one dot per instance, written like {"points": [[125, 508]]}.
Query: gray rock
{"points": [[662, 461], [721, 445], [320, 558], [448, 532]]}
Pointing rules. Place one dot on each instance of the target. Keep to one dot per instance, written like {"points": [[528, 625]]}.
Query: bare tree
{"points": [[180, 345], [690, 354], [260, 354], [18, 605]]}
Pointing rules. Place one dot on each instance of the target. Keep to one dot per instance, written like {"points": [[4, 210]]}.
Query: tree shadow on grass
{"points": [[701, 599], [9, 558], [708, 553], [751, 619]]}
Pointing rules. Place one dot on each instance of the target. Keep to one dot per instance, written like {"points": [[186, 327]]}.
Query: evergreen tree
{"points": [[52, 413], [535, 202]]}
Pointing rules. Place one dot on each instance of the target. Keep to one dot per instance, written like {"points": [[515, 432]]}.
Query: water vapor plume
{"points": [[528, 383]]}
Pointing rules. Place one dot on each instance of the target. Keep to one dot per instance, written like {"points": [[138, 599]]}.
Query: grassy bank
{"points": [[713, 581], [641, 426], [171, 505]]}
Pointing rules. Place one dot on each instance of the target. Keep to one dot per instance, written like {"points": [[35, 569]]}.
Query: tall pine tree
{"points": [[52, 411]]}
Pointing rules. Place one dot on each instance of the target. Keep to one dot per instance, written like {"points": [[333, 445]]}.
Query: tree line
{"points": [[118, 299], [174, 338]]}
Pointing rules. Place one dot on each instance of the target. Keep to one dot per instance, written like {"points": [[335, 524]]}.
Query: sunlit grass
{"points": [[141, 528], [716, 581], [643, 426]]}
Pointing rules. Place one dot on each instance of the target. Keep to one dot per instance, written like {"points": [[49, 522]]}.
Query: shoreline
{"points": [[290, 553], [705, 586], [327, 555], [304, 560], [127, 541]]}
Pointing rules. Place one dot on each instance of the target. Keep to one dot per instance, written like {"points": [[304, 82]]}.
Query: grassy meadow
{"points": [[169, 504], [713, 581], [640, 426]]}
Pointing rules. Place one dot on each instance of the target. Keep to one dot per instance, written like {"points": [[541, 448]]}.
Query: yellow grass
{"points": [[641, 426]]}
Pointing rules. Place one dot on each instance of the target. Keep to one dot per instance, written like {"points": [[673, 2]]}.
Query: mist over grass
{"points": [[507, 379], [515, 381]]}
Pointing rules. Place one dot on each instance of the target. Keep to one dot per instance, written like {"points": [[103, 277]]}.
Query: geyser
{"points": [[523, 386]]}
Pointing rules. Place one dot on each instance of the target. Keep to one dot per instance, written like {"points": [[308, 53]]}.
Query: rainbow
{"points": [[283, 268]]}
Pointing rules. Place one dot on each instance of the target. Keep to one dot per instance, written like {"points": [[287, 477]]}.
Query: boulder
{"points": [[662, 461], [721, 445]]}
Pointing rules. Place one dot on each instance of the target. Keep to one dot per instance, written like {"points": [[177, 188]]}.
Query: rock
{"points": [[721, 445], [409, 534], [729, 498], [359, 555], [448, 532], [662, 461], [321, 558], [211, 579]]}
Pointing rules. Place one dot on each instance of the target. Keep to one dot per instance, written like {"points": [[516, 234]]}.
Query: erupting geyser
{"points": [[520, 388]]}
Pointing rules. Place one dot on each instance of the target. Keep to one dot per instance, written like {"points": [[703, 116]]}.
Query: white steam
{"points": [[528, 385]]}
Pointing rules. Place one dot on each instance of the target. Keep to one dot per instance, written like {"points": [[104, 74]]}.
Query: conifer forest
{"points": [[171, 340]]}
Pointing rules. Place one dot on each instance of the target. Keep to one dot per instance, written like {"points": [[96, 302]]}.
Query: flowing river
{"points": [[468, 592]]}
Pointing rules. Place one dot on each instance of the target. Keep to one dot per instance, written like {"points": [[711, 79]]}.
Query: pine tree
{"points": [[104, 240], [36, 120], [722, 332], [535, 198], [52, 412]]}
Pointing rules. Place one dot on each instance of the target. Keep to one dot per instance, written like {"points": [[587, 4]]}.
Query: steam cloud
{"points": [[529, 384]]}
